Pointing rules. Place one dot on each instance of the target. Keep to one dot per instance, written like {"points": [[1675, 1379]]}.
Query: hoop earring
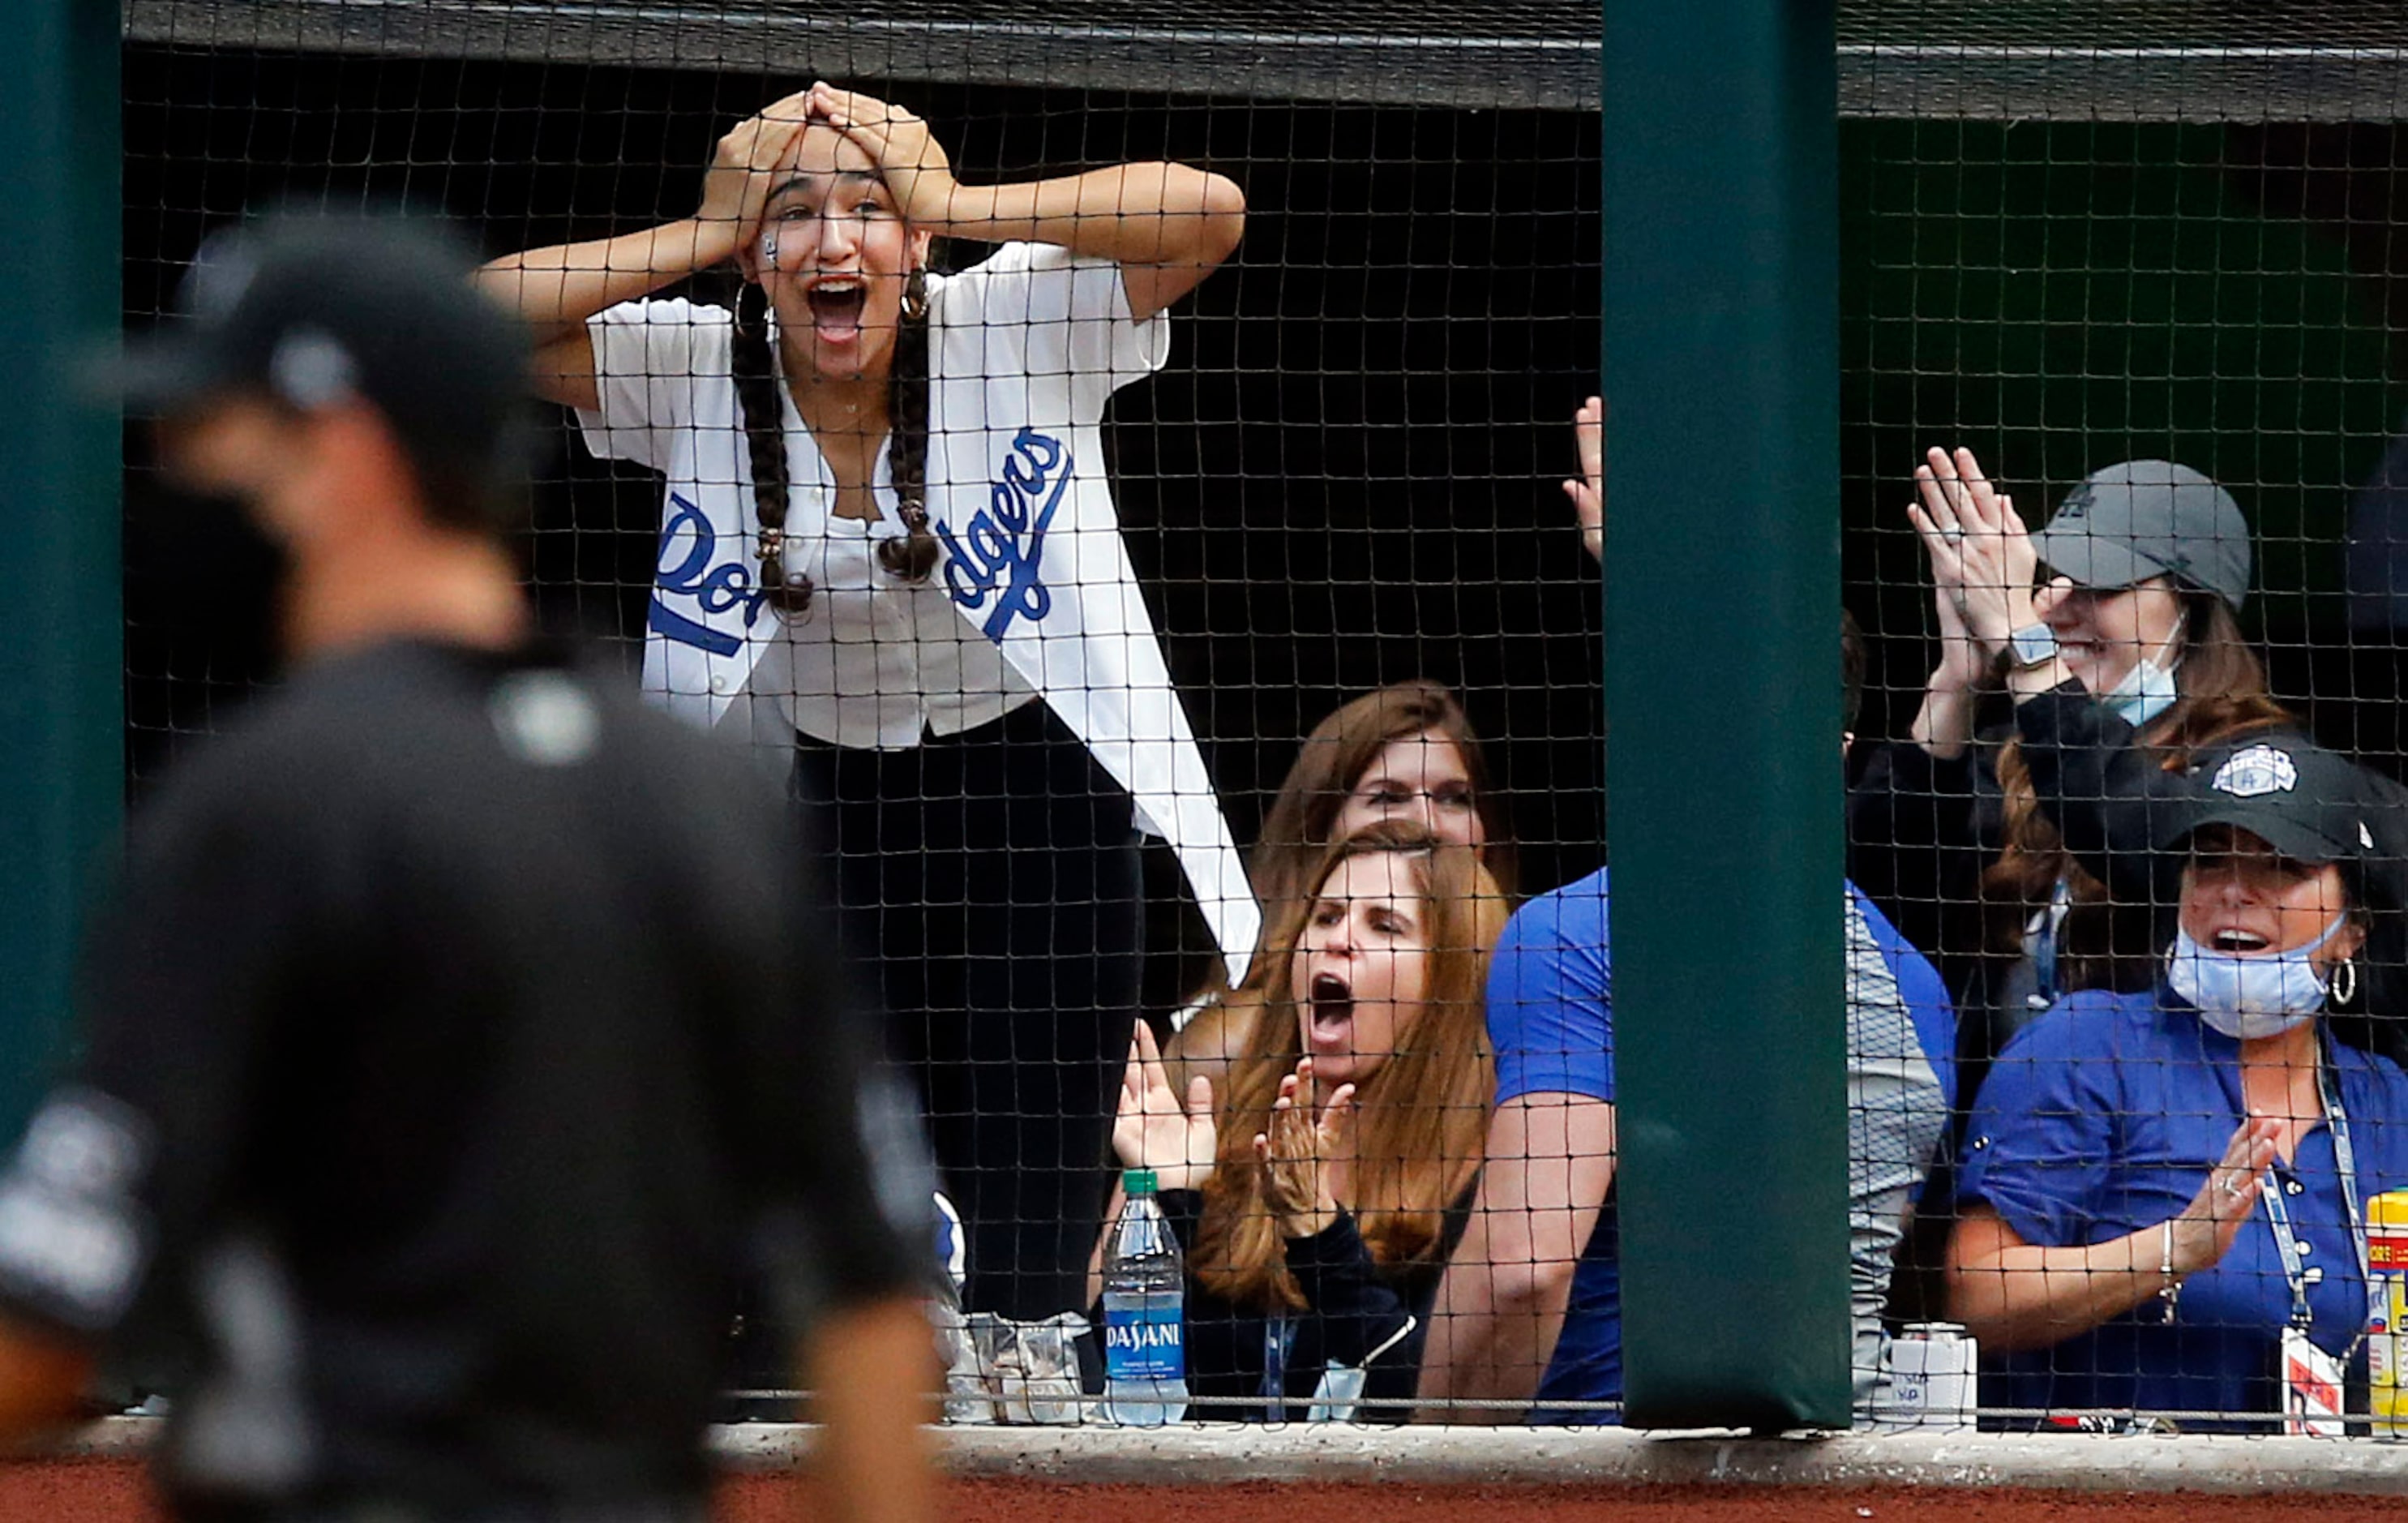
{"points": [[2344, 981], [915, 296]]}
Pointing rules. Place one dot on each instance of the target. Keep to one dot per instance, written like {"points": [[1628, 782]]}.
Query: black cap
{"points": [[317, 311], [2309, 804]]}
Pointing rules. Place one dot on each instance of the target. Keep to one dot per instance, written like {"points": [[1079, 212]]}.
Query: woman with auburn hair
{"points": [[1404, 752], [1318, 1203]]}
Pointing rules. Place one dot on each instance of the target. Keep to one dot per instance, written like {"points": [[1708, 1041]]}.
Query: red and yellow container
{"points": [[2386, 1267]]}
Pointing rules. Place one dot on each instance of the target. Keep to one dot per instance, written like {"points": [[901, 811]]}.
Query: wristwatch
{"points": [[2033, 645]]}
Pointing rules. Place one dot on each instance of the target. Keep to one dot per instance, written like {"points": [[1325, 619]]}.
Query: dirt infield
{"points": [[760, 1499], [111, 1490], [1229, 1474]]}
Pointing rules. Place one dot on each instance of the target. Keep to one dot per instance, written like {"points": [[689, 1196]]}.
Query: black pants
{"points": [[994, 878]]}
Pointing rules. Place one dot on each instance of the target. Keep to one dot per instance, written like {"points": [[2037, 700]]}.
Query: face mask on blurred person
{"points": [[2248, 996], [2148, 689]]}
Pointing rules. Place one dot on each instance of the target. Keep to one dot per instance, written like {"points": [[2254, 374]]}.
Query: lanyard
{"points": [[1279, 1341], [2046, 927], [2278, 1211]]}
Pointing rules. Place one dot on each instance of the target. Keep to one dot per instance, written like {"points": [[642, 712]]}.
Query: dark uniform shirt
{"points": [[463, 1032]]}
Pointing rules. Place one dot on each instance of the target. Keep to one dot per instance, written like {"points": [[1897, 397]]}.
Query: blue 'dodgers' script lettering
{"points": [[993, 563], [715, 588]]}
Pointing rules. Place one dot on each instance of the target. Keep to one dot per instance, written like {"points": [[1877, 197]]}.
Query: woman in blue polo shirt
{"points": [[2138, 1162]]}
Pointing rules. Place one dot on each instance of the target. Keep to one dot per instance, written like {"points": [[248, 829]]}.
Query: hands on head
{"points": [[745, 169], [1298, 1153]]}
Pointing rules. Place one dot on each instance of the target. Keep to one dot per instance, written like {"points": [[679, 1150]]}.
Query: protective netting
{"points": [[2073, 236]]}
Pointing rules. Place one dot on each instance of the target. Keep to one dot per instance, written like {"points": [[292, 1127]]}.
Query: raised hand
{"points": [[1297, 1153], [1152, 1130], [2204, 1232], [1588, 492], [1963, 664], [1982, 556], [918, 174], [744, 168]]}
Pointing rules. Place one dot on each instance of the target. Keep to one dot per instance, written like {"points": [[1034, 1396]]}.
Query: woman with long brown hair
{"points": [[1318, 1201], [1404, 752], [2022, 860]]}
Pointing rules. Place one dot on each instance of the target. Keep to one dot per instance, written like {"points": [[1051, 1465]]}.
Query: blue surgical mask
{"points": [[2250, 996], [2148, 689]]}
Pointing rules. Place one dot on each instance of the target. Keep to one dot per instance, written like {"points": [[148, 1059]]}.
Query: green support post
{"points": [[62, 705], [1722, 711]]}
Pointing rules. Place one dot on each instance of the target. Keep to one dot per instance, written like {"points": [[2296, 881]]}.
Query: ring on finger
{"points": [[1952, 534]]}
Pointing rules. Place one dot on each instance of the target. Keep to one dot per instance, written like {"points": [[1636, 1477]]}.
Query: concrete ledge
{"points": [[1220, 1456], [1613, 1457]]}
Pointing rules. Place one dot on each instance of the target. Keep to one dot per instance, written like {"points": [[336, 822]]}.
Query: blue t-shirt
{"points": [[1550, 1020], [2103, 1118]]}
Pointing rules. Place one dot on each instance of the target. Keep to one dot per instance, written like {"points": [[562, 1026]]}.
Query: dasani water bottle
{"points": [[1145, 1329]]}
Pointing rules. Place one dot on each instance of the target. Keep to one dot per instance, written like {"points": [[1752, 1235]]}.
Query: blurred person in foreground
{"points": [[454, 1043], [2139, 1161], [1530, 1306]]}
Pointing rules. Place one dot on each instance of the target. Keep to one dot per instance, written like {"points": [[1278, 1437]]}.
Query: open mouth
{"points": [[1333, 1004], [836, 306], [2241, 942]]}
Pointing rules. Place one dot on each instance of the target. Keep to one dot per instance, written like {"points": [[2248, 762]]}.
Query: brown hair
{"points": [[1423, 1116], [2222, 693], [1334, 759], [754, 367]]}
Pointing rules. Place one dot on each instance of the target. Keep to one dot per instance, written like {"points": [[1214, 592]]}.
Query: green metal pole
{"points": [[62, 706], [1722, 705]]}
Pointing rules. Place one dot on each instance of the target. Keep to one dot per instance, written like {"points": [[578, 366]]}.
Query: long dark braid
{"points": [[914, 555], [754, 365]]}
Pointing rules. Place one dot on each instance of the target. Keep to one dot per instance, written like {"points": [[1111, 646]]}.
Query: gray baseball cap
{"points": [[2148, 518]]}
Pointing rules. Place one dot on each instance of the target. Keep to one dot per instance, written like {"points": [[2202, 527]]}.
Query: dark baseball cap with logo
{"points": [[2308, 803], [2149, 518], [319, 311]]}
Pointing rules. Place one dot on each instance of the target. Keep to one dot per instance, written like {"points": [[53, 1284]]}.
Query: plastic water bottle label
{"points": [[1144, 1342]]}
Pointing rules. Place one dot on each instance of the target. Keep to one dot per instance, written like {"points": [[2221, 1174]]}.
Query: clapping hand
{"points": [[1152, 1130], [1296, 1152], [1588, 492], [2203, 1233], [1982, 556]]}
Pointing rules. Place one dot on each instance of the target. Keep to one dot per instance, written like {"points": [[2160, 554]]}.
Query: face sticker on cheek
{"points": [[768, 248]]}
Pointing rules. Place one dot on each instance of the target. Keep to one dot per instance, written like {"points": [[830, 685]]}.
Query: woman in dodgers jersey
{"points": [[886, 533]]}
